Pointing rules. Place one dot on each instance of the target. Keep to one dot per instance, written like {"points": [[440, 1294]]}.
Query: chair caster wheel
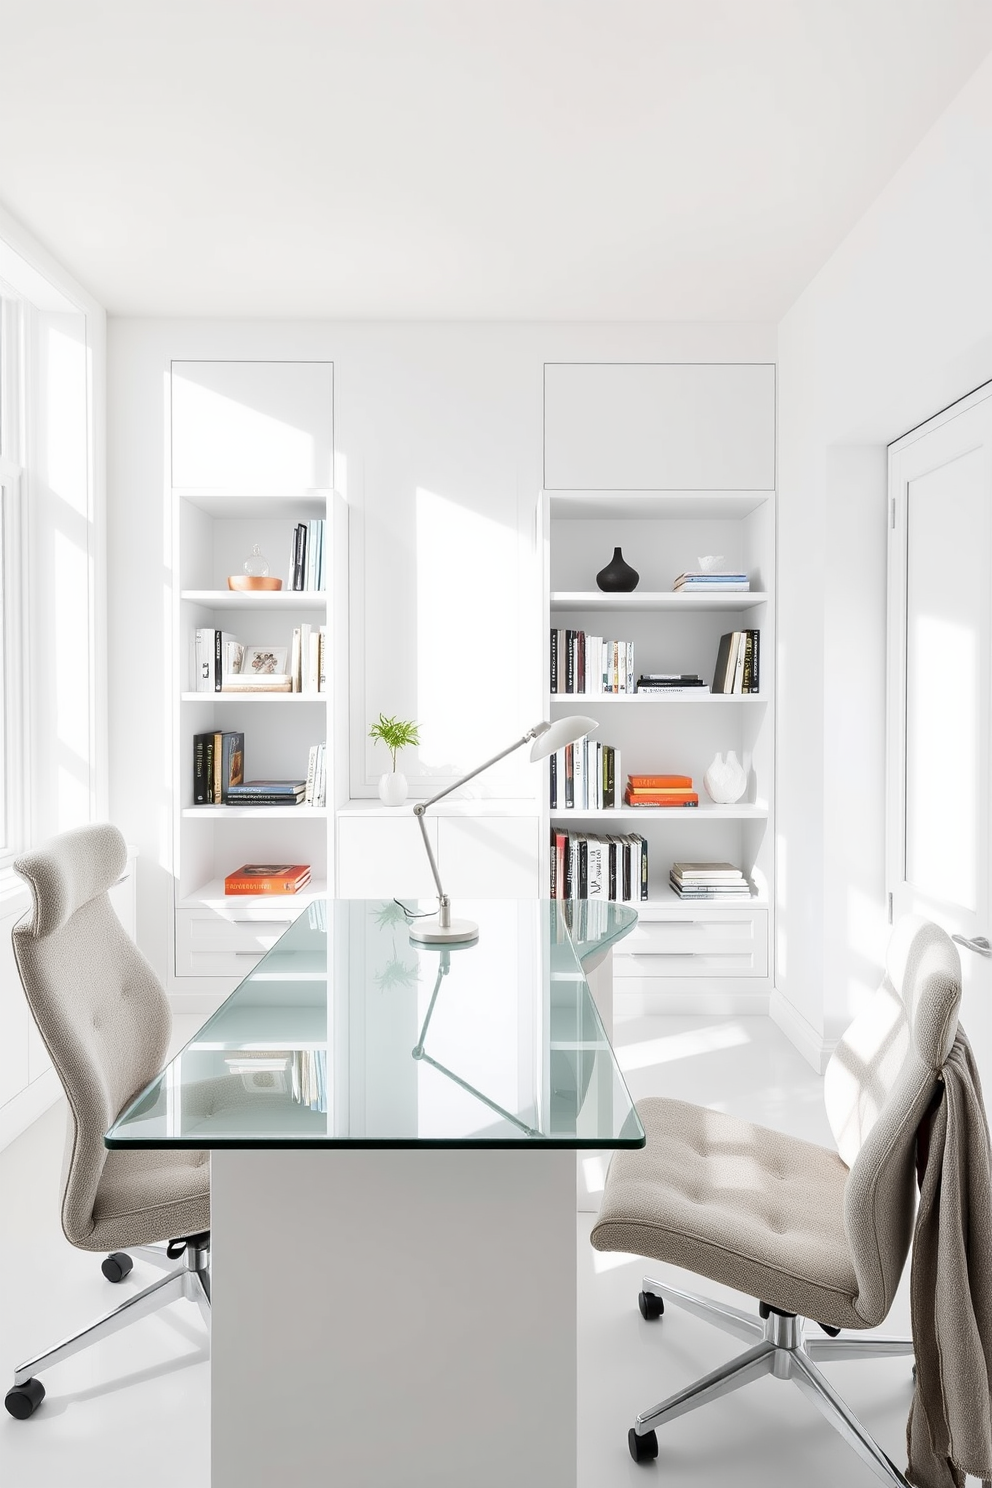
{"points": [[117, 1266], [643, 1448], [23, 1400], [651, 1307]]}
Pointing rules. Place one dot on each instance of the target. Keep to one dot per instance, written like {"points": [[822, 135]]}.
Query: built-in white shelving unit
{"points": [[671, 463], [252, 456]]}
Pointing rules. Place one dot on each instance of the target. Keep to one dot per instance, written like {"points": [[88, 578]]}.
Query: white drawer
{"points": [[218, 945], [721, 943]]}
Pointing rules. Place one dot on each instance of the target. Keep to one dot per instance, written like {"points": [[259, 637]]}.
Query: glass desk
{"points": [[392, 1131]]}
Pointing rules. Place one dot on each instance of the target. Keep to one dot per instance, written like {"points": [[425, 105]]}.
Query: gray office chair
{"points": [[105, 1021], [814, 1234]]}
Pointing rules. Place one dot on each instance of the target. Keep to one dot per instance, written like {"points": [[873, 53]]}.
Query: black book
{"points": [[553, 777], [755, 678], [553, 879], [569, 776], [570, 661], [202, 781], [568, 867], [580, 661], [583, 868], [613, 845], [644, 868], [626, 868], [554, 660], [609, 777], [208, 766], [299, 555]]}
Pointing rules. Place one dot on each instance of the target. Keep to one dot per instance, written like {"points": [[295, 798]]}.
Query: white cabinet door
{"points": [[661, 426], [15, 1019], [489, 857], [940, 692], [252, 426], [384, 856]]}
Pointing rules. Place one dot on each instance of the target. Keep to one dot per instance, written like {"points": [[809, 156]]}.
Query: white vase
{"points": [[392, 788], [725, 779]]}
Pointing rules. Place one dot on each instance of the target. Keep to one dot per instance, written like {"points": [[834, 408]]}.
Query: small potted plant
{"points": [[396, 734]]}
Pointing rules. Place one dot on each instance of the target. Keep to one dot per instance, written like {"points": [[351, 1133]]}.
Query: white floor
{"points": [[133, 1412]]}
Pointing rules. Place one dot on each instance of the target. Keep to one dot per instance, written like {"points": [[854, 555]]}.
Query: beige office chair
{"points": [[105, 1021], [812, 1233]]}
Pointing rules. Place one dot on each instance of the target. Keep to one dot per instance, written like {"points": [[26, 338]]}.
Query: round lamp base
{"points": [[429, 932]]}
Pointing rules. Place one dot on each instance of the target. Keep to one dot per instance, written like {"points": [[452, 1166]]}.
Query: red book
{"points": [[672, 782], [267, 878]]}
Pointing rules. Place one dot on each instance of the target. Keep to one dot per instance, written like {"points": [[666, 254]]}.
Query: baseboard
{"points": [[814, 1048], [17, 1114], [631, 1003]]}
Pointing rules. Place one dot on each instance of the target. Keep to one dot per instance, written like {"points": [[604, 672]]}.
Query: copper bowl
{"points": [[252, 581]]}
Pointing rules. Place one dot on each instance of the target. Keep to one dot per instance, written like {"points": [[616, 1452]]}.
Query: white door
{"points": [[939, 689]]}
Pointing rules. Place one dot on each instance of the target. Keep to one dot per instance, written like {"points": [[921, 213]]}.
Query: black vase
{"points": [[617, 577]]}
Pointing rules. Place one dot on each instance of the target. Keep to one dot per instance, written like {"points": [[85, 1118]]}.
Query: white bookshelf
{"points": [[252, 446], [694, 954]]}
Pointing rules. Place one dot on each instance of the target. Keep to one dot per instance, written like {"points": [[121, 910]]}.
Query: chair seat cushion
{"points": [[744, 1205], [148, 1196]]}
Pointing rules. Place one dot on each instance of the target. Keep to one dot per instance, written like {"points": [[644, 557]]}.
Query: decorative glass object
{"points": [[256, 574]]}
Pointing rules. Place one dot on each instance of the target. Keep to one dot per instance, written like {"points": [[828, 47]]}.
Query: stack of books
{"points": [[736, 667], [267, 793], [670, 684], [660, 790], [267, 878], [718, 881], [712, 583]]}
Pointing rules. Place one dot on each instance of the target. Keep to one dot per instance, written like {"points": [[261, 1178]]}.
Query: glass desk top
{"points": [[348, 1034]]}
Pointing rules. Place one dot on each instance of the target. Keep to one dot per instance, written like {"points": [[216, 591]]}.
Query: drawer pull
{"points": [[269, 924], [680, 954], [257, 954]]}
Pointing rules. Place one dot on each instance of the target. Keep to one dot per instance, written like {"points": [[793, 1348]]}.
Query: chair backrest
{"points": [[99, 1007], [878, 1086]]}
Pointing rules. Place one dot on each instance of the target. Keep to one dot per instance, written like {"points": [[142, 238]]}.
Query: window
{"points": [[13, 631]]}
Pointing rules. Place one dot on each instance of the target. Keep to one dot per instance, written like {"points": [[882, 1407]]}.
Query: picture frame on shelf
{"points": [[264, 661]]}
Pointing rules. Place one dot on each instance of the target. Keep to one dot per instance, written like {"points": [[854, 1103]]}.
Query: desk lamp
{"points": [[548, 738]]}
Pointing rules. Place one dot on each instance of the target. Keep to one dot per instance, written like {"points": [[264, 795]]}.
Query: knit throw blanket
{"points": [[949, 1431]]}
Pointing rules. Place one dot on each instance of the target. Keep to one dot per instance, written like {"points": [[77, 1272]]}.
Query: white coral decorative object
{"points": [[725, 779]]}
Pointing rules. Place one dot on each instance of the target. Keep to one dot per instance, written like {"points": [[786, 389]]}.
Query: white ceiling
{"points": [[524, 159]]}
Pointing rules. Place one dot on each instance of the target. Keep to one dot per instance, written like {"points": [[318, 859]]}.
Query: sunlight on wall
{"points": [[66, 452], [227, 444], [465, 649], [650, 1052], [943, 682]]}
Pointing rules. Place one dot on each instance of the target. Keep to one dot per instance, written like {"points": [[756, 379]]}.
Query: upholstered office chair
{"points": [[813, 1234], [105, 1021]]}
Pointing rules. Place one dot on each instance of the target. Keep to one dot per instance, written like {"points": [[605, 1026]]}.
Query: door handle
{"points": [[980, 944]]}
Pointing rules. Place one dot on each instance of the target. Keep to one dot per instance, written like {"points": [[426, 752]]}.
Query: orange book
{"points": [[267, 878], [680, 798], [650, 782], [658, 790]]}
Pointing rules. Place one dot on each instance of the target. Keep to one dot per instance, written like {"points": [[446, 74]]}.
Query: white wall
{"points": [[897, 325], [438, 433]]}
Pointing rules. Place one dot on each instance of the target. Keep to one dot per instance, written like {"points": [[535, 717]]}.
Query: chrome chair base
{"points": [[779, 1347], [191, 1280]]}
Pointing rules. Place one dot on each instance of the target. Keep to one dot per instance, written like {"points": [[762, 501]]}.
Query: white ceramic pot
{"points": [[725, 779], [392, 788]]}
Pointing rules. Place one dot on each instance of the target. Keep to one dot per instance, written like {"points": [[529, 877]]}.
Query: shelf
{"points": [[257, 599], [647, 505], [742, 811], [705, 696], [212, 896], [256, 504], [595, 599], [285, 699], [225, 813]]}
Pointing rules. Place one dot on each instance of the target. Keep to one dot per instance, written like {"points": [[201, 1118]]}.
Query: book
{"points": [[228, 763], [659, 803], [707, 870], [649, 782], [273, 682], [726, 657], [267, 878], [216, 654], [202, 781], [245, 788]]}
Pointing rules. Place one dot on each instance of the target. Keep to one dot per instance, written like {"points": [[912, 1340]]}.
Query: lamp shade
{"points": [[563, 731]]}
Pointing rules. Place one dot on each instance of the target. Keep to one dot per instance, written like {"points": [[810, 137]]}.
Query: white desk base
{"points": [[393, 1317]]}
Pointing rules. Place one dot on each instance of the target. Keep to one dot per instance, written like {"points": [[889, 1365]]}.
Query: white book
{"points": [[294, 659], [594, 869], [579, 775], [631, 680], [305, 630], [311, 773], [313, 664], [739, 645], [322, 659]]}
